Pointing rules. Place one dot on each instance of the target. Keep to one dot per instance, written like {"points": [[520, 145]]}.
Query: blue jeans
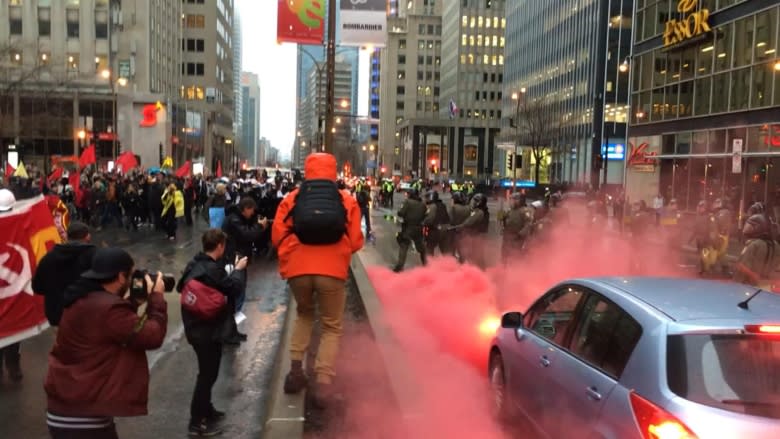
{"points": [[365, 212]]}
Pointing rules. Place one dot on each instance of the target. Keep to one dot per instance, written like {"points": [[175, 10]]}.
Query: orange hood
{"points": [[320, 166]]}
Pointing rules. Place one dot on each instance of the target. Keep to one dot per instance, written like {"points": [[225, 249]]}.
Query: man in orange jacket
{"points": [[317, 260]]}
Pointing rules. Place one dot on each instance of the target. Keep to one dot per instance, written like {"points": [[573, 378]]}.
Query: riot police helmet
{"points": [[518, 200], [479, 201], [458, 198], [756, 227], [756, 208]]}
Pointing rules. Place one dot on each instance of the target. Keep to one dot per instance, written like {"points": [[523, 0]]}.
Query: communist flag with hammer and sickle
{"points": [[26, 234]]}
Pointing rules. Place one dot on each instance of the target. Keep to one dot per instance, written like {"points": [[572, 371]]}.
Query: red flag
{"points": [[28, 233], [184, 170], [87, 157], [300, 21], [219, 168], [9, 171], [74, 179], [127, 161], [56, 175]]}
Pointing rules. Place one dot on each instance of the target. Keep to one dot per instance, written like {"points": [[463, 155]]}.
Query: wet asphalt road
{"points": [[241, 389]]}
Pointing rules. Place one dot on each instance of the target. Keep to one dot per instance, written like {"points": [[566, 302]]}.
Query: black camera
{"points": [[139, 289]]}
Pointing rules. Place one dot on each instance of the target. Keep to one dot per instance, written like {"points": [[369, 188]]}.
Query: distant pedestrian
{"points": [[316, 231]]}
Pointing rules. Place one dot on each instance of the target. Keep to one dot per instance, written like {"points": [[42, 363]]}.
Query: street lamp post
{"points": [[519, 98]]}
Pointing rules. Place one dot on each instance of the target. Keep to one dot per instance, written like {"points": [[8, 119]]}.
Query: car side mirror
{"points": [[512, 320]]}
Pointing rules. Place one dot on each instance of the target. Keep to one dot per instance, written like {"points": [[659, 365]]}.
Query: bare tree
{"points": [[538, 126]]}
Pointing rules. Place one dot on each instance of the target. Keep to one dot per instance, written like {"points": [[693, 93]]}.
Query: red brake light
{"points": [[763, 329], [656, 423]]}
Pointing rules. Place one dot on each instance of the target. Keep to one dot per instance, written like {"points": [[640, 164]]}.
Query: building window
{"points": [[101, 24], [73, 61], [195, 45], [15, 20], [400, 90], [197, 21], [44, 22], [72, 23], [195, 69], [399, 105], [402, 59]]}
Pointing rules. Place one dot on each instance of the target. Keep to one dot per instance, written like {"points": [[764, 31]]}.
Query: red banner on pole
{"points": [[26, 234], [301, 21]]}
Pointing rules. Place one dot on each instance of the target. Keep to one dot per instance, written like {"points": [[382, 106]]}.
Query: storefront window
{"points": [[717, 142], [646, 80], [720, 93], [672, 67], [736, 133], [766, 36], [670, 104], [659, 73], [687, 61], [723, 47], [777, 87], [699, 144], [702, 99], [740, 89], [658, 104], [760, 138], [761, 95], [681, 183], [684, 141], [698, 183], [685, 107], [743, 41], [704, 59], [668, 144]]}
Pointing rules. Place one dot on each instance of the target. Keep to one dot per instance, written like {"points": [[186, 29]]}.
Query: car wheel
{"points": [[498, 391]]}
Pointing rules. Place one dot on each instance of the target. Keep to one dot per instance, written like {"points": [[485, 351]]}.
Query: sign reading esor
{"points": [[693, 22]]}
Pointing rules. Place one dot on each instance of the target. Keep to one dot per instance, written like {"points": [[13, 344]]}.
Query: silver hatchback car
{"points": [[646, 358]]}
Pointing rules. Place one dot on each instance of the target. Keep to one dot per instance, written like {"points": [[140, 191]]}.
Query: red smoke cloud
{"points": [[444, 315]]}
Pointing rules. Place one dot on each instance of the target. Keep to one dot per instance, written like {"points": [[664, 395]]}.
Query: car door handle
{"points": [[544, 361], [593, 393]]}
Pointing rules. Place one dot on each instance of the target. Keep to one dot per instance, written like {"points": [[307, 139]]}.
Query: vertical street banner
{"points": [[363, 23], [26, 234], [301, 21]]}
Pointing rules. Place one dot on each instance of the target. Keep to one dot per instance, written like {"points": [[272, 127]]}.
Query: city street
{"points": [[241, 389]]}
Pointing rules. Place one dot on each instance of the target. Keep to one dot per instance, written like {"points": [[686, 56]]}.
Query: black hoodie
{"points": [[57, 270], [205, 269]]}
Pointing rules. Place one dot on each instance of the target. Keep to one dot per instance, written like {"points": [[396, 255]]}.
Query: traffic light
{"points": [[509, 161]]}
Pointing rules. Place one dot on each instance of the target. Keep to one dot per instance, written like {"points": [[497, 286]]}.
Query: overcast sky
{"points": [[275, 65]]}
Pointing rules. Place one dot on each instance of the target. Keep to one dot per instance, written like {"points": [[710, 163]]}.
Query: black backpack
{"points": [[319, 216], [442, 217]]}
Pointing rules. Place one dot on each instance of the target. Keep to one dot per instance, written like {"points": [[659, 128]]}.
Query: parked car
{"points": [[642, 358]]}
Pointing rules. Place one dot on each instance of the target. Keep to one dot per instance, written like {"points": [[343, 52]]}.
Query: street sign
{"points": [[736, 158], [505, 145]]}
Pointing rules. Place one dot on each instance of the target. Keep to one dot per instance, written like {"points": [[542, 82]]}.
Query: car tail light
{"points": [[763, 329], [656, 423]]}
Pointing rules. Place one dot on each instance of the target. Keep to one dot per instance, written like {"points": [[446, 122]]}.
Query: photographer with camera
{"points": [[207, 292], [98, 367]]}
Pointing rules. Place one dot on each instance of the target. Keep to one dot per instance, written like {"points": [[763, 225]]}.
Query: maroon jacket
{"points": [[98, 365]]}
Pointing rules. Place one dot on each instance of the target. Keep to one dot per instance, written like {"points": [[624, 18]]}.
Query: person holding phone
{"points": [[243, 228], [208, 336]]}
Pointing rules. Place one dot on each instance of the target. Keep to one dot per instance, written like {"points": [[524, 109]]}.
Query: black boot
{"points": [[296, 380]]}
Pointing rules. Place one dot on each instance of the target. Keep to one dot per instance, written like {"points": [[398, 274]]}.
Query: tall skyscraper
{"points": [[250, 127], [561, 52], [238, 98], [410, 74], [61, 77], [208, 81], [471, 76]]}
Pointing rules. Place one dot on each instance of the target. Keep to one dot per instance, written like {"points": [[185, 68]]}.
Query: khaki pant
{"points": [[330, 296]]}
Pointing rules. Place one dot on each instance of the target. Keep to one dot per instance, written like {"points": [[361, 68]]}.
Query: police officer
{"points": [[474, 229], [412, 214], [517, 226], [459, 213], [761, 254], [705, 235], [435, 217]]}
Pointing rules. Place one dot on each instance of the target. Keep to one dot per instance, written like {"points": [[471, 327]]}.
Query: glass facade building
{"points": [[704, 108], [570, 53]]}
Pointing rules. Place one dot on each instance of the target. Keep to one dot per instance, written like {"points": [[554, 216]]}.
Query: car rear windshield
{"points": [[738, 373]]}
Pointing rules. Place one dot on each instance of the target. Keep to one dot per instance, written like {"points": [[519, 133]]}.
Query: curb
{"points": [[402, 382], [286, 413]]}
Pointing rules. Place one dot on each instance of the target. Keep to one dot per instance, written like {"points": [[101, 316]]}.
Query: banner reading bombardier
{"points": [[26, 234], [301, 21], [363, 23]]}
